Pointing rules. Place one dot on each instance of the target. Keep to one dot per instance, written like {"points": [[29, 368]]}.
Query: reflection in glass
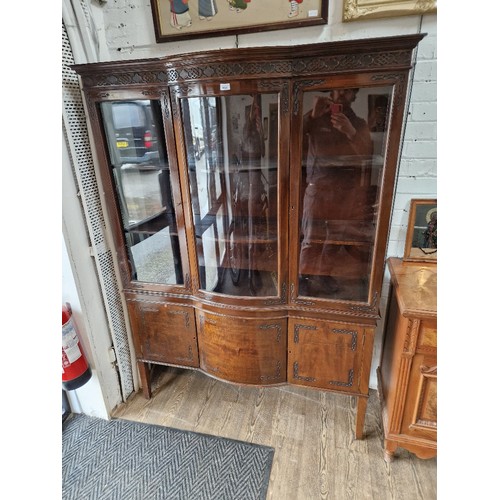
{"points": [[136, 146], [345, 131], [233, 177]]}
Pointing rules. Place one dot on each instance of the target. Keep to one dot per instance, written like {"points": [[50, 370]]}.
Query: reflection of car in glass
{"points": [[135, 132]]}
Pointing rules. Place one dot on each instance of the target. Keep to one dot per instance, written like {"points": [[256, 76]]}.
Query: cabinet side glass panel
{"points": [[231, 150], [142, 179], [344, 141]]}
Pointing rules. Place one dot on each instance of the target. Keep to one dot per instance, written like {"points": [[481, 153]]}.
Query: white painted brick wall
{"points": [[424, 91], [126, 26], [422, 130], [417, 175]]}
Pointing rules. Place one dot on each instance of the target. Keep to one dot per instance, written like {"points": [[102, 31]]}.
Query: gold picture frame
{"points": [[355, 10], [421, 236], [186, 19]]}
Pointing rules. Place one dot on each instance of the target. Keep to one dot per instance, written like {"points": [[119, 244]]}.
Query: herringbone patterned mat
{"points": [[124, 460]]}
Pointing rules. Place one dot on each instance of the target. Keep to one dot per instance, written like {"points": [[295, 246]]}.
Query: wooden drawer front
{"points": [[243, 350], [427, 338], [328, 355], [164, 333], [420, 414]]}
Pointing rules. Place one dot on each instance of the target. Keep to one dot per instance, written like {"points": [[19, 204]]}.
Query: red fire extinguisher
{"points": [[75, 369]]}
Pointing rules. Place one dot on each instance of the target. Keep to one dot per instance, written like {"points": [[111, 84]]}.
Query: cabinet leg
{"points": [[145, 374], [360, 416], [389, 449]]}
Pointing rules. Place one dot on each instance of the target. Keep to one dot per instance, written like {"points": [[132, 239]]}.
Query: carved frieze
{"points": [[185, 71]]}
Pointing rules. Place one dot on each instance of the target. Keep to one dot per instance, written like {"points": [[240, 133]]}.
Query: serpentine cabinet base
{"points": [[323, 354]]}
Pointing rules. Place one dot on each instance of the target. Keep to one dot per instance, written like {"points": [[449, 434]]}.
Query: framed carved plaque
{"points": [[421, 237]]}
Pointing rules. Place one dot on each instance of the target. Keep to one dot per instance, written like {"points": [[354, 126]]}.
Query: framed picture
{"points": [[378, 107], [184, 19], [370, 9], [421, 237]]}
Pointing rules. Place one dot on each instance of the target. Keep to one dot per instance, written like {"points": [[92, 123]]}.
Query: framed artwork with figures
{"points": [[185, 19]]}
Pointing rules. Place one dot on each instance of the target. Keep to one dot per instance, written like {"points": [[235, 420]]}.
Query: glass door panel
{"points": [[136, 145], [344, 141], [232, 160]]}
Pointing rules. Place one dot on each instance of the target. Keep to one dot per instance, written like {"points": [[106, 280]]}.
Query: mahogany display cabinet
{"points": [[249, 193]]}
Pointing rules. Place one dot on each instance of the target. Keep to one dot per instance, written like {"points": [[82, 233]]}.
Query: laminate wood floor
{"points": [[316, 456]]}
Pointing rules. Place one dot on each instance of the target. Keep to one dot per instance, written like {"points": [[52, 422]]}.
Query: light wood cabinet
{"points": [[407, 374], [249, 193]]}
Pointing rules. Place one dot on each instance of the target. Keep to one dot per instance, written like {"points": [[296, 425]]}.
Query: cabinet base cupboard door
{"points": [[243, 350], [331, 356], [249, 193], [165, 333]]}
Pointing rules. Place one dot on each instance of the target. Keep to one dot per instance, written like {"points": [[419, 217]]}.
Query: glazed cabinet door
{"points": [[342, 173], [164, 333], [243, 350], [329, 355], [233, 140], [142, 189]]}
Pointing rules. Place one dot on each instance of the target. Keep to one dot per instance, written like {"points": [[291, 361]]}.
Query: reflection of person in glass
{"points": [[253, 193], [336, 143]]}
